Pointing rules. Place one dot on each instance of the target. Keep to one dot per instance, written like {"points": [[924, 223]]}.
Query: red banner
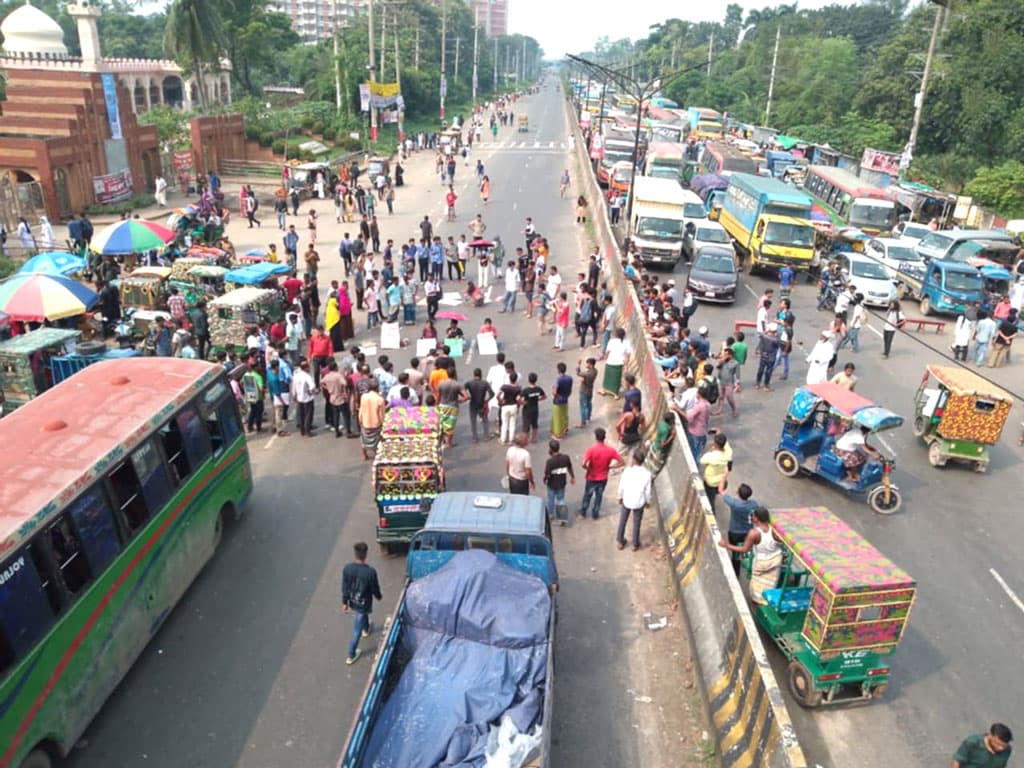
{"points": [[182, 161], [112, 187]]}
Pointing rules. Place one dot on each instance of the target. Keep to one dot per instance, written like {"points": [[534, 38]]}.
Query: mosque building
{"points": [[68, 133]]}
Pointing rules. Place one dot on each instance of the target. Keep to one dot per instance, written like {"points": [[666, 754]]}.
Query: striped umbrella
{"points": [[132, 236], [35, 298], [53, 263]]}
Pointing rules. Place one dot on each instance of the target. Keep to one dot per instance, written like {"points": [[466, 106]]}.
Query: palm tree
{"points": [[194, 34]]}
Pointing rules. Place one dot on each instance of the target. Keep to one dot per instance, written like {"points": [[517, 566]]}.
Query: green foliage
{"points": [[277, 147], [7, 267], [194, 34], [329, 132], [171, 124], [133, 203], [1000, 188], [255, 35], [266, 139]]}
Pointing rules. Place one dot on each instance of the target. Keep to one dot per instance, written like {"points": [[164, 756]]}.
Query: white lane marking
{"points": [[1006, 588], [752, 291], [536, 144], [515, 206], [888, 447], [270, 442], [875, 331], [551, 144]]}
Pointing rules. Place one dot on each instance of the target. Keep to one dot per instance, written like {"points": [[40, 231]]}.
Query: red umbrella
{"points": [[481, 243], [450, 315]]}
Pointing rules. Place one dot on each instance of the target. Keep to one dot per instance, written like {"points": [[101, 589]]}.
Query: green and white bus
{"points": [[115, 487]]}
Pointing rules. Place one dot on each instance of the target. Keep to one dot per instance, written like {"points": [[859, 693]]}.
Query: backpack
{"points": [[710, 389], [586, 311]]}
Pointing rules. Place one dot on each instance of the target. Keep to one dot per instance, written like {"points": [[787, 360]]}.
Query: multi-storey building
{"points": [[492, 16], [316, 20]]}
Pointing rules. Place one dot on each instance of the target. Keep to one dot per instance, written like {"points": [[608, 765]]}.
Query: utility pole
{"points": [[908, 151], [508, 61], [522, 76], [496, 64], [337, 58], [476, 50], [444, 30], [383, 39], [369, 41], [398, 81], [416, 57], [672, 61], [458, 42], [771, 80], [711, 50], [515, 66]]}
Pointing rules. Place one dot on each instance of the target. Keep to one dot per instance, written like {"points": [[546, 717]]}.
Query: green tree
{"points": [[194, 34], [255, 37], [1000, 187]]}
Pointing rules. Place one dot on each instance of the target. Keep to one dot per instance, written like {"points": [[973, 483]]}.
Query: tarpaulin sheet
{"points": [[476, 631]]}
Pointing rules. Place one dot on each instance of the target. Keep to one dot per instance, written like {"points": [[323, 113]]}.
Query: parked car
{"points": [[910, 231], [868, 277], [704, 233], [936, 245], [894, 254], [713, 275]]}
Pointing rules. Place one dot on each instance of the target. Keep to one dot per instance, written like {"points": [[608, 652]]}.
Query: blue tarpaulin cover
{"points": [[476, 631]]}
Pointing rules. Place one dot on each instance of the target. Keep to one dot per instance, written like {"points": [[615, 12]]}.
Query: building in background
{"points": [[316, 20], [492, 15]]}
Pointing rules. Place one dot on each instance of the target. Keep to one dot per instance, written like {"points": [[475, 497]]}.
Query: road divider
{"points": [[745, 706]]}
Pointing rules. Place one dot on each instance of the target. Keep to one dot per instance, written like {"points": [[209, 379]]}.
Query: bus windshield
{"points": [[797, 235], [867, 215], [656, 227]]}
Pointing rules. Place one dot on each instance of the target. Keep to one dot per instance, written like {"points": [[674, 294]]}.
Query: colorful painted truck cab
{"points": [[839, 609]]}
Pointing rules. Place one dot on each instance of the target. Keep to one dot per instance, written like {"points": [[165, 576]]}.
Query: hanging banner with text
{"points": [[877, 160], [113, 187], [364, 97], [113, 112], [182, 160]]}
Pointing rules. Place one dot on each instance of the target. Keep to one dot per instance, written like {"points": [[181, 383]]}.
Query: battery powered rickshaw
{"points": [[959, 414], [839, 608], [818, 416]]}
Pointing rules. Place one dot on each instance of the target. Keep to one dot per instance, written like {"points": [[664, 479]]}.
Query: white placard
{"points": [[425, 346], [451, 299], [486, 344], [390, 336]]}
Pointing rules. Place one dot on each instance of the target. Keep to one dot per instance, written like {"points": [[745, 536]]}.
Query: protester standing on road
{"points": [[634, 495], [508, 303], [478, 392], [767, 349], [509, 398], [518, 467], [715, 465], [985, 750], [729, 378], [586, 372], [764, 571], [371, 418], [359, 588], [557, 468], [741, 511], [894, 320], [449, 396], [560, 394], [303, 392], [598, 460], [619, 351], [983, 335]]}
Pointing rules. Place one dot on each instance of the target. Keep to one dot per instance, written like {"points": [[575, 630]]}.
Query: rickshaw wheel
{"points": [[801, 685], [920, 426], [787, 463], [981, 467], [935, 457], [876, 500]]}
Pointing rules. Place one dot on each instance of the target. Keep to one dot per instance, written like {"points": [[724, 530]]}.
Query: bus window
{"points": [[94, 521], [221, 417], [67, 552], [185, 444], [149, 468], [128, 496], [27, 608]]}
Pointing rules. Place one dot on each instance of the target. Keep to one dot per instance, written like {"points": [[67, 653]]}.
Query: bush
{"points": [[349, 144], [318, 128], [308, 121], [306, 156], [252, 132], [7, 268], [277, 147], [329, 133], [133, 203], [266, 139]]}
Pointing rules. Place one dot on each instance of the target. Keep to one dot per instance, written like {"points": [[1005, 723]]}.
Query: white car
{"points": [[910, 231], [705, 232], [868, 277], [894, 254]]}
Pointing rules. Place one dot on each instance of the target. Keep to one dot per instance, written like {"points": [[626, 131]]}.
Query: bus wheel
{"points": [[37, 758]]}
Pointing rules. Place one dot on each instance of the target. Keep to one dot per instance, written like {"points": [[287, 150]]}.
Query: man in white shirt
{"points": [[554, 284], [853, 449], [762, 316], [303, 392], [508, 304], [497, 377], [634, 495]]}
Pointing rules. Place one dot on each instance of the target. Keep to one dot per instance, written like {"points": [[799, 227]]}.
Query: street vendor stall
{"points": [[407, 473], [232, 314], [25, 363]]}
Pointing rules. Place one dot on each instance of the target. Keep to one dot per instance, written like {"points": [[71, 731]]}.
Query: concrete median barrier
{"points": [[745, 706]]}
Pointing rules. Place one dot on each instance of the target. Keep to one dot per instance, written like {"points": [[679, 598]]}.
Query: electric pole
{"points": [[711, 50], [370, 70], [337, 58], [476, 50], [522, 74], [771, 80], [416, 56], [398, 81], [908, 151], [383, 39], [458, 41], [444, 29], [496, 65]]}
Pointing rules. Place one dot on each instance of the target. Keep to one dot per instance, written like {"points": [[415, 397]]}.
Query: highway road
{"points": [[958, 668], [249, 672]]}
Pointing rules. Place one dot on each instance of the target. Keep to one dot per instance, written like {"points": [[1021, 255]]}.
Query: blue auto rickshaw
{"points": [[818, 415]]}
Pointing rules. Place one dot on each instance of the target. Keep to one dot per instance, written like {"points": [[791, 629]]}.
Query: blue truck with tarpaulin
{"points": [[465, 669]]}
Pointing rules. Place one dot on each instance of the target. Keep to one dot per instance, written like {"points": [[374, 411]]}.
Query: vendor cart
{"points": [[231, 315], [25, 363]]}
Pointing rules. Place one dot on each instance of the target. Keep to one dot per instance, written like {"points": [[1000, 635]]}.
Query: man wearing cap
{"points": [[671, 293], [701, 341], [767, 349]]}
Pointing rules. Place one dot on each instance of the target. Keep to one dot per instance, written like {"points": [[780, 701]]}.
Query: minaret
{"points": [[85, 17]]}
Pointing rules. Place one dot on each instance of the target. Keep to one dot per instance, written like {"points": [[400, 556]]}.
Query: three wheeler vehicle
{"points": [[407, 473], [818, 415], [959, 414], [840, 608], [524, 124]]}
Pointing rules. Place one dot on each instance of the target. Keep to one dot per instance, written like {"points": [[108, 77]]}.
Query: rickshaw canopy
{"points": [[254, 274], [844, 403], [207, 270], [161, 273], [962, 381], [414, 420], [836, 554]]}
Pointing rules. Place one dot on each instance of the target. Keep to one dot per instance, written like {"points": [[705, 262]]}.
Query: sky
{"points": [[572, 26]]}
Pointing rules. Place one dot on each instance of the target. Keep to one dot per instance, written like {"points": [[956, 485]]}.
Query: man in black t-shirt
{"points": [[1003, 339], [556, 471], [532, 395], [479, 393], [359, 587]]}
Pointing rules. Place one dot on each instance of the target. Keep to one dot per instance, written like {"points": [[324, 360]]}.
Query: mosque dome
{"points": [[28, 30]]}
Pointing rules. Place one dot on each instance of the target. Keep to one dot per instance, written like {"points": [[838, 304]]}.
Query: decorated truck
{"points": [[407, 473]]}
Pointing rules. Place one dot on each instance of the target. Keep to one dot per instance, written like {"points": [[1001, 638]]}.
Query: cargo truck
{"points": [[661, 209], [770, 222], [705, 123], [470, 649]]}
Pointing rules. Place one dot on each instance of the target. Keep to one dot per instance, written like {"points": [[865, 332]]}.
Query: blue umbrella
{"points": [[53, 263]]}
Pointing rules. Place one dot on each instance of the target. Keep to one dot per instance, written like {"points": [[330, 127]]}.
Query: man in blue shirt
{"points": [[437, 259], [786, 277], [423, 259], [345, 249], [741, 507], [291, 245]]}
